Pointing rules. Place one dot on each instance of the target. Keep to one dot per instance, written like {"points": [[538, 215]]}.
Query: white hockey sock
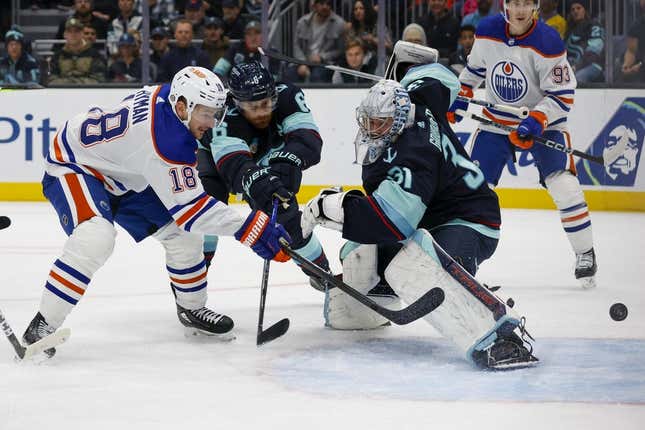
{"points": [[574, 214], [86, 250]]}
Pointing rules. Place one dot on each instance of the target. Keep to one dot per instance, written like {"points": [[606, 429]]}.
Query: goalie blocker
{"points": [[478, 322]]}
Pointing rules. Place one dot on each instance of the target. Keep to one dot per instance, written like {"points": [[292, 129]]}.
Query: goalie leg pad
{"points": [[567, 195], [87, 248], [471, 316], [185, 264], [360, 272]]}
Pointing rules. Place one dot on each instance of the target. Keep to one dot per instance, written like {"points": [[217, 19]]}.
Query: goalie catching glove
{"points": [[263, 237], [325, 209]]}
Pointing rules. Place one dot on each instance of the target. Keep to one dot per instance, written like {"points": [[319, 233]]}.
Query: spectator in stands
{"points": [[319, 39], [17, 67], [356, 58], [585, 42], [195, 11], [233, 22], [549, 14], [244, 51], [459, 59], [127, 66], [85, 13], [77, 62], [127, 21], [415, 33], [159, 39], [161, 11], [441, 27], [215, 43], [363, 25], [483, 10], [632, 68], [89, 35], [253, 7], [182, 54]]}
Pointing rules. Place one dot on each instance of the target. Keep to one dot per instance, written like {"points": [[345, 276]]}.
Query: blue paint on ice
{"points": [[571, 370]]}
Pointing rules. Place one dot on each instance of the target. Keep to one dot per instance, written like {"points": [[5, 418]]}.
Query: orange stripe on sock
{"points": [[65, 282], [192, 211], [190, 280], [83, 210], [575, 217]]}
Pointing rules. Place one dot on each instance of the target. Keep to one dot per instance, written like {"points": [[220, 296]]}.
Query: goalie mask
{"points": [[406, 55], [381, 116]]}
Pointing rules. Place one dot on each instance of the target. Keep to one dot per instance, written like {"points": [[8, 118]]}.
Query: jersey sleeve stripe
{"points": [[192, 211], [173, 210], [404, 209], [205, 209], [68, 149], [562, 106], [481, 72], [499, 120], [298, 120], [384, 219], [560, 92]]}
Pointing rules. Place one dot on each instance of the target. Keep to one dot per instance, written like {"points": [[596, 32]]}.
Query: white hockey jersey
{"points": [[138, 144], [531, 70]]}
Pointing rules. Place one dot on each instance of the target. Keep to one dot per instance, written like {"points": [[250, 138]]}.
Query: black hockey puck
{"points": [[618, 312]]}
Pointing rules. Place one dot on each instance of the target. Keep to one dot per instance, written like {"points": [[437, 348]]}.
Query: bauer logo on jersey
{"points": [[628, 122], [508, 81]]}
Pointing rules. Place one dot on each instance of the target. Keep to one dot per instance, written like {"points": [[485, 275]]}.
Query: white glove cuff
{"points": [[332, 207]]}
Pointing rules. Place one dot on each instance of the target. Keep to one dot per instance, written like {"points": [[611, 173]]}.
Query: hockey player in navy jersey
{"points": [[134, 165], [524, 63], [426, 205], [260, 150]]}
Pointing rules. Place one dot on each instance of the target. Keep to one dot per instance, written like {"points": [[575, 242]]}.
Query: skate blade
{"points": [[191, 332], [587, 283], [53, 340], [516, 365]]}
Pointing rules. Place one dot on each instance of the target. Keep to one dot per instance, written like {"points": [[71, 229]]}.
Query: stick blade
{"points": [[273, 332], [422, 307], [53, 340]]}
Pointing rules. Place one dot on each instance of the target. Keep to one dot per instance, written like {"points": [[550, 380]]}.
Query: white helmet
{"points": [[381, 116], [198, 86], [406, 54], [505, 11]]}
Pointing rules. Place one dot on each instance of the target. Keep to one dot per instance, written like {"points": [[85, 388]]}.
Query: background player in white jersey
{"points": [[135, 165], [524, 63]]}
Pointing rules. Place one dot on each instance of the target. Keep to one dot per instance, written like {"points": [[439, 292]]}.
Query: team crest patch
{"points": [[508, 81]]}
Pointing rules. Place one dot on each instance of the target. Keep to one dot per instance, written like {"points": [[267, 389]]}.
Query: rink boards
{"points": [[30, 118]]}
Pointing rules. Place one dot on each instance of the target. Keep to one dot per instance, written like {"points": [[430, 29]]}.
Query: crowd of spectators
{"points": [[102, 39]]}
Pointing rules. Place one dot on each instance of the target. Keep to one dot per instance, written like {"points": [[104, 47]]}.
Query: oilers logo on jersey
{"points": [[508, 81]]}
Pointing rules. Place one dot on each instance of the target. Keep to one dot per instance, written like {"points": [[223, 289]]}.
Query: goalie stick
{"points": [[281, 327], [610, 156], [26, 352], [521, 112], [423, 306]]}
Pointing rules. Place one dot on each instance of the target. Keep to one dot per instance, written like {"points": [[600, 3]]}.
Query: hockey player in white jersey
{"points": [[524, 63], [135, 165]]}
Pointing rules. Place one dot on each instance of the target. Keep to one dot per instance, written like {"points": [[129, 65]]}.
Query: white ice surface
{"points": [[129, 366]]}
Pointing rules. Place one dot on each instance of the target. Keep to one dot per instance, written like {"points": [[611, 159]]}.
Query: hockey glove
{"points": [[261, 186], [466, 91], [325, 209], [533, 125], [288, 167], [263, 237]]}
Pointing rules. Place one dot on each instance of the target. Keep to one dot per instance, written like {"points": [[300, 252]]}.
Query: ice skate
{"points": [[506, 353], [586, 269], [38, 329], [207, 322]]}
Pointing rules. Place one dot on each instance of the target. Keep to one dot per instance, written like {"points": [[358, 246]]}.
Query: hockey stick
{"points": [[521, 112], [25, 352], [281, 327], [616, 151], [423, 306]]}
